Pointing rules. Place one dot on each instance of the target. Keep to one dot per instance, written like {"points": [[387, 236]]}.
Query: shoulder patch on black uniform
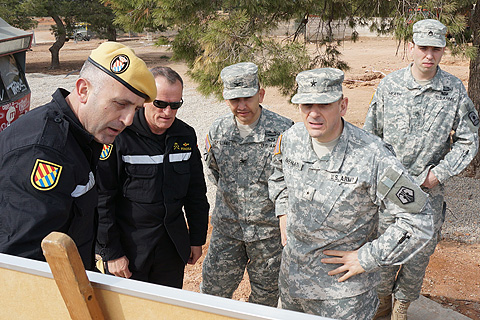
{"points": [[106, 151], [45, 175]]}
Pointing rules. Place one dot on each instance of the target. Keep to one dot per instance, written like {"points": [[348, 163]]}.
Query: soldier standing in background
{"points": [[415, 110], [245, 229]]}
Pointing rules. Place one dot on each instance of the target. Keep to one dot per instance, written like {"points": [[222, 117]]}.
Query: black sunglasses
{"points": [[163, 104]]}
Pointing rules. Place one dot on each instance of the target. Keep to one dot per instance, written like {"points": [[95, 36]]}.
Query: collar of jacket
{"points": [[66, 112], [257, 135], [333, 161], [411, 84]]}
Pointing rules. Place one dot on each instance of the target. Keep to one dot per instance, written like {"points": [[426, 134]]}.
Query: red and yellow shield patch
{"points": [[106, 151], [45, 175]]}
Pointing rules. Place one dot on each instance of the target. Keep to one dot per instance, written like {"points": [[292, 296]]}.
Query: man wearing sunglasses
{"points": [[150, 180], [245, 233]]}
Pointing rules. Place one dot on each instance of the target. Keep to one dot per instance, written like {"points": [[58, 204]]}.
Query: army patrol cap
{"points": [[240, 80], [121, 63], [429, 32], [319, 86]]}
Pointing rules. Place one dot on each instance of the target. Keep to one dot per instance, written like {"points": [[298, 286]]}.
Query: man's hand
{"points": [[119, 267], [283, 229], [349, 261], [195, 254], [431, 180]]}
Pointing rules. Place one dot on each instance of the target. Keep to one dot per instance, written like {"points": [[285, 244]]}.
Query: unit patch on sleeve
{"points": [[106, 151], [45, 175], [406, 195], [474, 118]]}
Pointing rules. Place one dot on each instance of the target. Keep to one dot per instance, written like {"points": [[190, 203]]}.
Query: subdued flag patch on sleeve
{"points": [[106, 151], [208, 145], [45, 175], [278, 149]]}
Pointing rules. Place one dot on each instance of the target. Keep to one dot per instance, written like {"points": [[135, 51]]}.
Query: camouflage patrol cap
{"points": [[429, 32], [121, 63], [240, 80], [319, 86]]}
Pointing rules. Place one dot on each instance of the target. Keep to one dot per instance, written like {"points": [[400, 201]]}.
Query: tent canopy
{"points": [[12, 39]]}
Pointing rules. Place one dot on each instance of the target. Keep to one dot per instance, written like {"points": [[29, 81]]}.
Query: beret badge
{"points": [[120, 63]]}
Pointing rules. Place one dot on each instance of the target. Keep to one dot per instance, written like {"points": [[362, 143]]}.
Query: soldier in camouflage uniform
{"points": [[330, 180], [415, 109], [245, 229]]}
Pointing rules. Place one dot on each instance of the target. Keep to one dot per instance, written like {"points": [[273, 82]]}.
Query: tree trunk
{"points": [[111, 33], [473, 169], [60, 41]]}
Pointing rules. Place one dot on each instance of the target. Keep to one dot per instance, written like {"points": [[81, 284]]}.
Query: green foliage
{"points": [[99, 16], [134, 15], [453, 14], [212, 34], [15, 13]]}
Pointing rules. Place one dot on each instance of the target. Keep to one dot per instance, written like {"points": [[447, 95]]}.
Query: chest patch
{"points": [[342, 178], [45, 175], [106, 151]]}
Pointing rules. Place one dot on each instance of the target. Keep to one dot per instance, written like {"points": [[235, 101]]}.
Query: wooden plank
{"points": [[69, 274]]}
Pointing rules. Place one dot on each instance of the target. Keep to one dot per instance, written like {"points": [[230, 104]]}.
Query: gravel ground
{"points": [[462, 222]]}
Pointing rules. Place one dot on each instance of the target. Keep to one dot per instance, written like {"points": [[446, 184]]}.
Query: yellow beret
{"points": [[120, 62]]}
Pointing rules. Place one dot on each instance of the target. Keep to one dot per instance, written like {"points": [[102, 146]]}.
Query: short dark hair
{"points": [[168, 73]]}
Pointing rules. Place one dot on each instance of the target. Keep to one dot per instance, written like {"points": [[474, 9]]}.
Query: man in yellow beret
{"points": [[48, 157]]}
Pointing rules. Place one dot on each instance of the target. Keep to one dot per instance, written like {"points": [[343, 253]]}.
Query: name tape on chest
{"points": [[182, 146], [341, 178]]}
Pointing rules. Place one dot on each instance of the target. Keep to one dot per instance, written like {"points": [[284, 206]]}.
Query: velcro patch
{"points": [[396, 187]]}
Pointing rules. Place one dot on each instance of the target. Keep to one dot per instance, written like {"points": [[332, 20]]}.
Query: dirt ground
{"points": [[452, 277]]}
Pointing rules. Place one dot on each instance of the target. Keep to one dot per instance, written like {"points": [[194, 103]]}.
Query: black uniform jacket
{"points": [[47, 182], [144, 182]]}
